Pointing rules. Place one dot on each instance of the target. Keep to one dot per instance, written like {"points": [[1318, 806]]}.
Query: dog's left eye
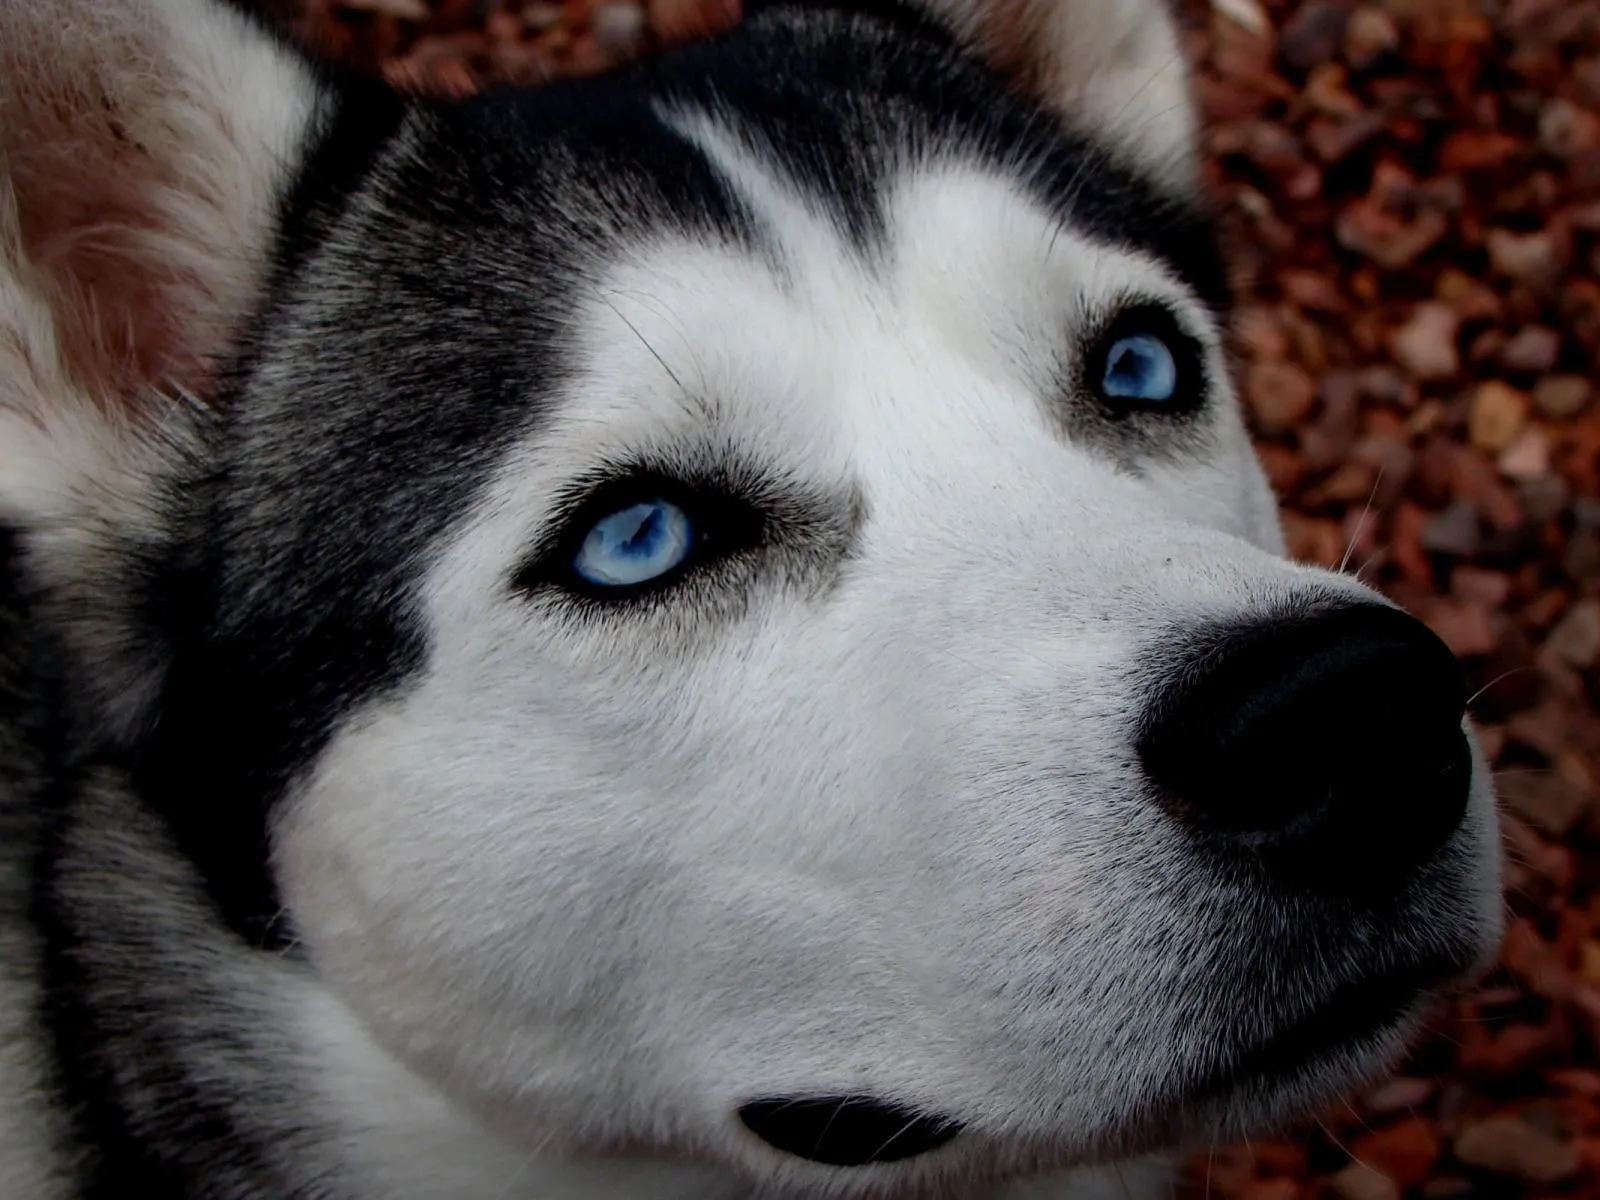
{"points": [[635, 545], [1142, 368]]}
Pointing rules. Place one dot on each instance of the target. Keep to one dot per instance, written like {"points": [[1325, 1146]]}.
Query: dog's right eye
{"points": [[638, 533], [639, 544], [1144, 361], [1141, 368]]}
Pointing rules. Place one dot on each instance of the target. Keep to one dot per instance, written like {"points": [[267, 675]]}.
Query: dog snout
{"points": [[1330, 745]]}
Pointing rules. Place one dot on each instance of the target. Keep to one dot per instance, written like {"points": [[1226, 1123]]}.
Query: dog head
{"points": [[727, 611]]}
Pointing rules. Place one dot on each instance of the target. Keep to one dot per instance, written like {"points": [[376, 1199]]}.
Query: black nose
{"points": [[845, 1131], [1329, 744]]}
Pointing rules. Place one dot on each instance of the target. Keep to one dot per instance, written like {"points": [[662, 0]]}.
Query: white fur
{"points": [[584, 886], [607, 879], [143, 149], [1112, 67]]}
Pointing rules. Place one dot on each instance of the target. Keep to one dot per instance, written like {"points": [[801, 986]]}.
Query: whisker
{"points": [[822, 1134], [522, 1168], [673, 375], [1356, 1113], [1345, 1150], [1366, 565], [1500, 678], [1355, 535], [896, 1136]]}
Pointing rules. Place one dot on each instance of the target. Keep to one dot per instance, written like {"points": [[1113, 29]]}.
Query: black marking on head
{"points": [[839, 96], [34, 731], [115, 1061], [417, 340], [433, 256], [361, 118], [36, 780]]}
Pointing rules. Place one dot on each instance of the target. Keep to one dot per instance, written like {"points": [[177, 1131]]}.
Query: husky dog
{"points": [[712, 632]]}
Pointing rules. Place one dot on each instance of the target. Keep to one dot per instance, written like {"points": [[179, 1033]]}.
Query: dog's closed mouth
{"points": [[1354, 1014], [846, 1131]]}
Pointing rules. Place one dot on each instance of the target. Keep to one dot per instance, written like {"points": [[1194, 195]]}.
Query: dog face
{"points": [[734, 612]]}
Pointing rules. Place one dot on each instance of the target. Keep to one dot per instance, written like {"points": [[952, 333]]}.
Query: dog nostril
{"points": [[845, 1131], [1329, 744]]}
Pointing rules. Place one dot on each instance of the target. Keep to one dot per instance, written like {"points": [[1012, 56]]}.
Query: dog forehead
{"points": [[454, 276], [923, 375], [838, 122], [439, 307], [963, 318]]}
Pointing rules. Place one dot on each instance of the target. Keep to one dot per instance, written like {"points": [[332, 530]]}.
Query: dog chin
{"points": [[875, 1149]]}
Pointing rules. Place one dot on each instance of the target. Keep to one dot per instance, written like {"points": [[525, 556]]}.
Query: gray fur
{"points": [[352, 849]]}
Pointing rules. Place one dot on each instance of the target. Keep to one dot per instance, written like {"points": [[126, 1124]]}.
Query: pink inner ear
{"points": [[144, 180], [129, 315], [1011, 33]]}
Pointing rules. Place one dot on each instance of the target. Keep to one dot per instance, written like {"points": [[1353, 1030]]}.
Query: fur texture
{"points": [[365, 852]]}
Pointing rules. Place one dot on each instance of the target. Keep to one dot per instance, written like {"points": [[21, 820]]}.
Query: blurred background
{"points": [[1412, 190]]}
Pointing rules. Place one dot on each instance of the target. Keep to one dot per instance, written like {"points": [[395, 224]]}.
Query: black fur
{"points": [[37, 776], [428, 261], [439, 329]]}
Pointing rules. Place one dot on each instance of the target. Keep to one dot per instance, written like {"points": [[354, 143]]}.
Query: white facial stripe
{"points": [[843, 374], [621, 873], [976, 270]]}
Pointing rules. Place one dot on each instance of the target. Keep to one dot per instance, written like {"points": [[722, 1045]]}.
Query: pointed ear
{"points": [[1113, 68], [145, 150], [145, 147]]}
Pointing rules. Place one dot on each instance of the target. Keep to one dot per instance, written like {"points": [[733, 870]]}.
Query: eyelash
{"points": [[725, 523]]}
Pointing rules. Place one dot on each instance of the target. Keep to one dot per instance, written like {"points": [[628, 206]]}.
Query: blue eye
{"points": [[635, 545], [1140, 367]]}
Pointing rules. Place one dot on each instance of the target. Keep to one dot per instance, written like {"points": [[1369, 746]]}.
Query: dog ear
{"points": [[144, 150], [1114, 68]]}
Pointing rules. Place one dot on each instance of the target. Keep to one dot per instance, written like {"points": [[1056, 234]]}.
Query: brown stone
{"points": [[1426, 344], [1405, 1152], [1562, 396], [1533, 349], [1498, 414], [1508, 1145], [1280, 394]]}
